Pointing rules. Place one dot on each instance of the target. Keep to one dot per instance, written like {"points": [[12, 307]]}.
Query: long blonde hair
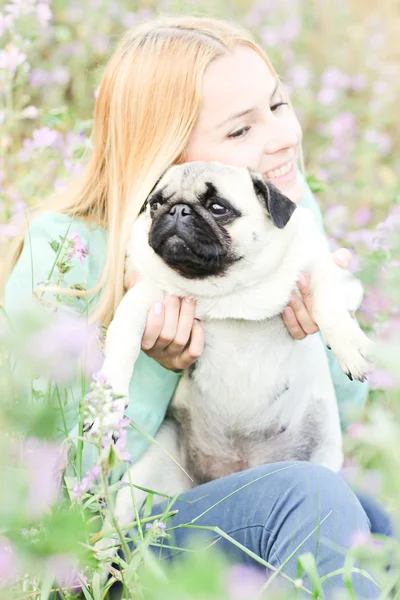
{"points": [[147, 105]]}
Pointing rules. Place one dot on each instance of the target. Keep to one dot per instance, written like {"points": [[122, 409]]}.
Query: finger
{"points": [[304, 286], [195, 348], [292, 324], [171, 316], [302, 315], [185, 324], [342, 257], [154, 325]]}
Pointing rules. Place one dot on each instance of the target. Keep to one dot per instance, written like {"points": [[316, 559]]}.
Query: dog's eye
{"points": [[155, 206], [218, 209]]}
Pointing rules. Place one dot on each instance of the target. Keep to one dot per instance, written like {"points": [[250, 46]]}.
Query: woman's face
{"points": [[244, 121]]}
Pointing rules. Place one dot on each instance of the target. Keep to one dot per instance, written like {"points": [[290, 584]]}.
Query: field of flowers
{"points": [[340, 62]]}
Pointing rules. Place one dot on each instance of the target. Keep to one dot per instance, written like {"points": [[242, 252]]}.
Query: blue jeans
{"points": [[272, 509]]}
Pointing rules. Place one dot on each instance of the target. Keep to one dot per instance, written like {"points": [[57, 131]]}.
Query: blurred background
{"points": [[340, 62]]}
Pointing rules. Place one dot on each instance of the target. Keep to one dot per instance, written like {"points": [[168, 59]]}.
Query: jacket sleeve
{"points": [[351, 395], [151, 386]]}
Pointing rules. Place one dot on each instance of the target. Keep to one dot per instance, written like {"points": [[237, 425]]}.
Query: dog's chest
{"points": [[243, 361], [250, 398]]}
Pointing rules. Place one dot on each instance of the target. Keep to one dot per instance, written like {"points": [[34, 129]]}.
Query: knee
{"points": [[322, 494]]}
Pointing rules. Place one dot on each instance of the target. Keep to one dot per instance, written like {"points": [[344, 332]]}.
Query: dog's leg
{"points": [[350, 345], [155, 470], [122, 346]]}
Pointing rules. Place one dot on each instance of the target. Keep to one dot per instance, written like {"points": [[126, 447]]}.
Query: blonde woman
{"points": [[175, 90]]}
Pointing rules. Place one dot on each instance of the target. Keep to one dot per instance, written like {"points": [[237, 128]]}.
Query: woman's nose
{"points": [[280, 136]]}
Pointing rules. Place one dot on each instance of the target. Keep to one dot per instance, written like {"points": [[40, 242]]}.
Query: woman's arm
{"points": [[152, 386]]}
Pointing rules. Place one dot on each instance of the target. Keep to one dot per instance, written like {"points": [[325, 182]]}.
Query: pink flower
{"points": [[11, 58], [77, 247], [355, 430]]}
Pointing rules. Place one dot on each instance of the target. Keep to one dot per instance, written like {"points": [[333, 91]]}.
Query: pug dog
{"points": [[232, 241]]}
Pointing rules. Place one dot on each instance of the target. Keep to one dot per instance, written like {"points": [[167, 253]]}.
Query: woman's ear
{"points": [[278, 206]]}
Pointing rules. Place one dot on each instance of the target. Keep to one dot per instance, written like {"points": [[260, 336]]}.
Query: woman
{"points": [[175, 90]]}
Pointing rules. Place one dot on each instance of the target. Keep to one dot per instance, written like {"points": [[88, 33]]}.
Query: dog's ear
{"points": [[278, 206]]}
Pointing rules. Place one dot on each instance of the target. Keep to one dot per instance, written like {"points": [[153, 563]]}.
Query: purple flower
{"points": [[76, 247], [327, 96], [43, 14], [39, 77], [362, 216], [379, 379], [299, 76], [379, 139], [334, 78], [11, 58], [30, 112], [343, 124], [363, 539], [244, 582], [41, 138], [65, 570], [43, 463], [8, 563], [99, 377], [54, 350], [81, 487], [60, 76], [6, 22]]}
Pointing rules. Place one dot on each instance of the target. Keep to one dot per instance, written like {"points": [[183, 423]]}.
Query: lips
{"points": [[280, 170]]}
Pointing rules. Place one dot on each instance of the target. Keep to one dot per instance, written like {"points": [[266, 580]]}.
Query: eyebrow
{"points": [[242, 113]]}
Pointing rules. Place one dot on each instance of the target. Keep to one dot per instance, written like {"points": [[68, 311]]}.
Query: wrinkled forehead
{"points": [[191, 180]]}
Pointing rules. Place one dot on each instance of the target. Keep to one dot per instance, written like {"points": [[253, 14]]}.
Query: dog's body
{"points": [[255, 395]]}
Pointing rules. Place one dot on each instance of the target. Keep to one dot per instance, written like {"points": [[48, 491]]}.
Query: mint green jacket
{"points": [[152, 386]]}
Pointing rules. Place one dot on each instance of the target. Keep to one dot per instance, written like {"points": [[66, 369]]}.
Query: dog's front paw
{"points": [[352, 348]]}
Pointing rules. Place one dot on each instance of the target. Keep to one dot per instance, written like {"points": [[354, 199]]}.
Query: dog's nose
{"points": [[178, 211]]}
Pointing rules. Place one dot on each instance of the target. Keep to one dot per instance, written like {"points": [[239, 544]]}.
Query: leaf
{"points": [[316, 185], [54, 245], [307, 563]]}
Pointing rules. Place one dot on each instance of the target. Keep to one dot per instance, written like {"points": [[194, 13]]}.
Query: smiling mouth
{"points": [[277, 173]]}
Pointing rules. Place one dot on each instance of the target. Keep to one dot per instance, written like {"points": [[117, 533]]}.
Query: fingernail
{"points": [[302, 279], [158, 308], [189, 299], [343, 256], [287, 312], [291, 300]]}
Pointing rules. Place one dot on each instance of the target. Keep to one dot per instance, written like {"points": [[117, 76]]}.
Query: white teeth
{"points": [[279, 172]]}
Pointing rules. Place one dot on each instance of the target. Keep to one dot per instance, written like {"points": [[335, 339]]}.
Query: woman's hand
{"points": [[172, 336], [297, 316]]}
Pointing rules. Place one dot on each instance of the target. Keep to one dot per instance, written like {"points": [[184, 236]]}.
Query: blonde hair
{"points": [[147, 105]]}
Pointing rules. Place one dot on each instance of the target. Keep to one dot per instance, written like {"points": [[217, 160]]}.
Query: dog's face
{"points": [[205, 217]]}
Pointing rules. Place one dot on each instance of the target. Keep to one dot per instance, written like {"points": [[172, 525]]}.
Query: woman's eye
{"points": [[218, 209], [277, 105], [239, 133]]}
